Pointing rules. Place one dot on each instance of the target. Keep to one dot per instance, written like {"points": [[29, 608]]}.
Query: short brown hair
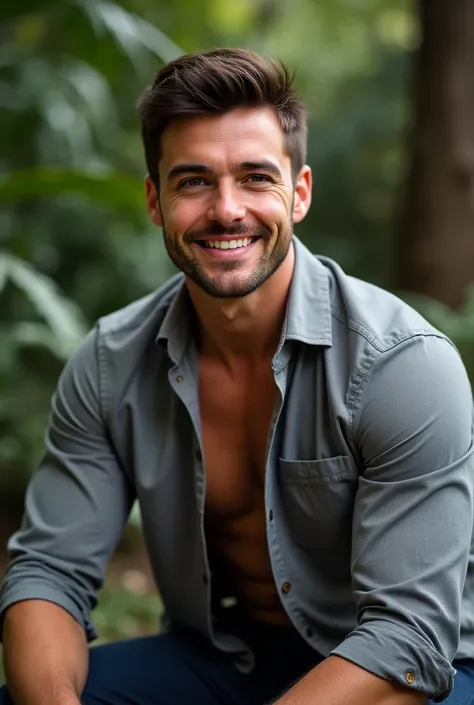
{"points": [[216, 82]]}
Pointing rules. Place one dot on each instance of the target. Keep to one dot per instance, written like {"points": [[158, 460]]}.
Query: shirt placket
{"points": [[183, 380], [280, 368]]}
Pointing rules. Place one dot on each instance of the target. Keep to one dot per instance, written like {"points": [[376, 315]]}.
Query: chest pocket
{"points": [[318, 501]]}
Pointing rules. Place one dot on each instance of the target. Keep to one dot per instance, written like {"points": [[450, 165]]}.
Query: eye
{"points": [[258, 178], [191, 182]]}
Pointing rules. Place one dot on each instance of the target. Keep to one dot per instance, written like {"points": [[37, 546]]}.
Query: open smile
{"points": [[227, 248]]}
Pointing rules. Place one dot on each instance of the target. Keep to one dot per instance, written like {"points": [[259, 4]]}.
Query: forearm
{"points": [[45, 654], [339, 682]]}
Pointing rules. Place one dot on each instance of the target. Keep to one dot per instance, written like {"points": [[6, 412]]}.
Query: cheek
{"points": [[273, 209], [279, 219], [182, 214]]}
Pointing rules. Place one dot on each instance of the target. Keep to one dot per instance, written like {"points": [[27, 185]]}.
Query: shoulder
{"points": [[142, 316], [399, 369], [378, 316], [119, 344]]}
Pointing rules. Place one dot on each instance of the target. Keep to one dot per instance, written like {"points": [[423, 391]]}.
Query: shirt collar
{"points": [[308, 314], [175, 329]]}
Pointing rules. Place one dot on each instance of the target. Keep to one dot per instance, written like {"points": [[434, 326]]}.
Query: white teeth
{"points": [[229, 244]]}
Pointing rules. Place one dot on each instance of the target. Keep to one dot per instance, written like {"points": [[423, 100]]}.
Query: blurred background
{"points": [[390, 91]]}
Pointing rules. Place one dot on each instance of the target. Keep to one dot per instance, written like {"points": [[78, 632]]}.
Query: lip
{"points": [[226, 254]]}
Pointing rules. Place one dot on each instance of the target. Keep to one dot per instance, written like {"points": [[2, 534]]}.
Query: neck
{"points": [[248, 329]]}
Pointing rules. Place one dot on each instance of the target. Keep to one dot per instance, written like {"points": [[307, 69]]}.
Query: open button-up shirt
{"points": [[368, 487]]}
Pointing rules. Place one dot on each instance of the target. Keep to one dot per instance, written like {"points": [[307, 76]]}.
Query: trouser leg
{"points": [[463, 691], [164, 670]]}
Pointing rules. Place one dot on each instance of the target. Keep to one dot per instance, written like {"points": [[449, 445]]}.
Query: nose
{"points": [[226, 206]]}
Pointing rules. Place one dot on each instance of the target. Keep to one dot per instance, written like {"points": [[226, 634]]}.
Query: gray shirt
{"points": [[368, 486]]}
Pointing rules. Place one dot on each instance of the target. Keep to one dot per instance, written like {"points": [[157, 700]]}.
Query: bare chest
{"points": [[235, 417]]}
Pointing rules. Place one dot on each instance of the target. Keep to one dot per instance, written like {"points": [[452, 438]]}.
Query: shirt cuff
{"points": [[398, 654], [38, 590]]}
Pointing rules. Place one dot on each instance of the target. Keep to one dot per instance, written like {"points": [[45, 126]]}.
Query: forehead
{"points": [[239, 135]]}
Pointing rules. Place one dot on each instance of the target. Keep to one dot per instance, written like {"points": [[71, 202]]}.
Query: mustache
{"points": [[218, 229]]}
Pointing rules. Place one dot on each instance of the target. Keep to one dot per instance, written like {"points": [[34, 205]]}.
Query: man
{"points": [[300, 444]]}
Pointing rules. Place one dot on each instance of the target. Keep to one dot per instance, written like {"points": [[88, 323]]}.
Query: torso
{"points": [[236, 415]]}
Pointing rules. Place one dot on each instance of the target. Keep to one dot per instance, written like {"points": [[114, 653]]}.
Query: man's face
{"points": [[227, 201]]}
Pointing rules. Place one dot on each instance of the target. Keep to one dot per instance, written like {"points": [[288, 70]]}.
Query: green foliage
{"points": [[55, 324], [72, 196], [64, 325], [124, 614], [122, 192]]}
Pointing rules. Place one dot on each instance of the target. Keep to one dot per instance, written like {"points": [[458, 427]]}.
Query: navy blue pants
{"points": [[183, 669]]}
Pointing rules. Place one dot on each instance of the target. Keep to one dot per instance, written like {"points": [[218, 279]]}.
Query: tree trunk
{"points": [[436, 241]]}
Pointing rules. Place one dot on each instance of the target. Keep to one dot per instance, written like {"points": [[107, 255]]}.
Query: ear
{"points": [[302, 199], [152, 202]]}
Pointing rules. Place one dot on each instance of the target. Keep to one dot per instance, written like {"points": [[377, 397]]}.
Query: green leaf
{"points": [[134, 35], [63, 317], [111, 190], [3, 275], [135, 517], [29, 334], [11, 10]]}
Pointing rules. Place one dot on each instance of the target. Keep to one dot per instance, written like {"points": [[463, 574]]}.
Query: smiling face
{"points": [[227, 200]]}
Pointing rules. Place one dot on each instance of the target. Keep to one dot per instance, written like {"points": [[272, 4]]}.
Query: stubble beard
{"points": [[217, 286]]}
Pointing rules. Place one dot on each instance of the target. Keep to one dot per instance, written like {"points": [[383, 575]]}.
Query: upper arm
{"points": [[77, 500], [415, 411], [413, 514], [414, 507]]}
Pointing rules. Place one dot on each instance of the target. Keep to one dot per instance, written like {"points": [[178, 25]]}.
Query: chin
{"points": [[234, 290]]}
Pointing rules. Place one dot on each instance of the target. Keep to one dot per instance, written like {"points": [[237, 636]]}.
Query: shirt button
{"points": [[410, 677], [270, 514], [199, 456], [179, 378], [309, 632], [205, 579], [285, 588]]}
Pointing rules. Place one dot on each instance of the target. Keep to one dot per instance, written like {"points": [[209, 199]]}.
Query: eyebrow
{"points": [[263, 165], [181, 169]]}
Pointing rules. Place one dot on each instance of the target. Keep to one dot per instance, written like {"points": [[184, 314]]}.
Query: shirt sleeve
{"points": [[413, 515], [76, 503]]}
